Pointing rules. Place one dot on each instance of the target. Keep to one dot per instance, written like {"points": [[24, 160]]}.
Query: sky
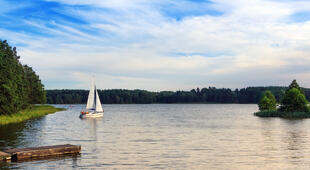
{"points": [[161, 44]]}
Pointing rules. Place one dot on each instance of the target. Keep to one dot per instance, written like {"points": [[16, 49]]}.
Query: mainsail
{"points": [[93, 101], [90, 101]]}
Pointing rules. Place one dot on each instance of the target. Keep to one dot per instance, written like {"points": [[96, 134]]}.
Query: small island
{"points": [[293, 104]]}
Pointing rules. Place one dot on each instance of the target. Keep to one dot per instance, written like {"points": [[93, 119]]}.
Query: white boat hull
{"points": [[91, 115]]}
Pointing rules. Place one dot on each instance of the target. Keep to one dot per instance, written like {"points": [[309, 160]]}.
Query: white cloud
{"points": [[133, 44]]}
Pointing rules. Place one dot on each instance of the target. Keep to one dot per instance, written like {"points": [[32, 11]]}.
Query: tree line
{"points": [[204, 95], [19, 85]]}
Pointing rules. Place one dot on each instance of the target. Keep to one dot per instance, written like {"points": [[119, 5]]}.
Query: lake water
{"points": [[165, 136]]}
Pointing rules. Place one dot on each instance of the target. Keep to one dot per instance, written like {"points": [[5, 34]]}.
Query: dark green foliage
{"points": [[12, 88], [294, 100], [294, 84], [107, 96], [35, 89], [15, 83], [204, 95], [267, 102], [121, 96], [293, 104], [253, 94], [288, 115]]}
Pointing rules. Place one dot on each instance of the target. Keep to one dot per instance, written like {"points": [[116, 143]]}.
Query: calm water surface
{"points": [[167, 136]]}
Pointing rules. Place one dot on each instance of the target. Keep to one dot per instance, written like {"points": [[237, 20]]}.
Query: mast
{"points": [[91, 97], [95, 96], [93, 101]]}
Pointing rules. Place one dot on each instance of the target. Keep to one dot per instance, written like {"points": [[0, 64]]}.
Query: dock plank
{"points": [[4, 156], [43, 151]]}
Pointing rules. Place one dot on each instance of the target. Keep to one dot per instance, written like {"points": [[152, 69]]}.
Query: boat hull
{"points": [[91, 115]]}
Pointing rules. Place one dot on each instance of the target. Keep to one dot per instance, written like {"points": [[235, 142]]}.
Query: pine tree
{"points": [[294, 99]]}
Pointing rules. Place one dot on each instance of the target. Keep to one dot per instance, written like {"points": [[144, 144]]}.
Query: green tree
{"points": [[19, 85], [267, 102], [293, 101], [35, 89], [294, 84], [12, 87]]}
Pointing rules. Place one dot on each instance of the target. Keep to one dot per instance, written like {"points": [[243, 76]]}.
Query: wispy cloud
{"points": [[161, 45]]}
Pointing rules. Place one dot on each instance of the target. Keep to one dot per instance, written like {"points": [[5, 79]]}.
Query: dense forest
{"points": [[19, 85], [204, 95]]}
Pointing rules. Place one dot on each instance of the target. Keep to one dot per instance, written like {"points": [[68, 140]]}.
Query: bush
{"points": [[267, 102]]}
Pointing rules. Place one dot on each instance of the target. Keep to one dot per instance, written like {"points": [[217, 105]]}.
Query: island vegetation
{"points": [[292, 105], [20, 88]]}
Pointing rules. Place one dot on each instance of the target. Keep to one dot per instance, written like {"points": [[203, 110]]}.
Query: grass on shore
{"points": [[30, 113], [288, 115]]}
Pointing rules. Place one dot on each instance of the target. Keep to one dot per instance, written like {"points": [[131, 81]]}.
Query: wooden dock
{"points": [[39, 152], [4, 156]]}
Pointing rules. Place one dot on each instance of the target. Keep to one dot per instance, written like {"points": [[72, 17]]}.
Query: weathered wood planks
{"points": [[43, 151], [4, 156]]}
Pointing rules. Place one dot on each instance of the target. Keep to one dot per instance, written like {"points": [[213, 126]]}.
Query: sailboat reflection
{"points": [[93, 125]]}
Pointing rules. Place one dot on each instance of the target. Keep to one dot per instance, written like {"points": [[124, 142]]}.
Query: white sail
{"points": [[98, 103], [93, 103], [91, 98]]}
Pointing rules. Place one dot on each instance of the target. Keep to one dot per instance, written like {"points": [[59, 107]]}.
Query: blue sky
{"points": [[161, 44]]}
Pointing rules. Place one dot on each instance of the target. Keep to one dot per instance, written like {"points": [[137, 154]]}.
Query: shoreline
{"points": [[35, 111], [286, 115]]}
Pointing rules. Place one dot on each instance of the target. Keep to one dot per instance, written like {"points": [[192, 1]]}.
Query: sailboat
{"points": [[93, 107]]}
